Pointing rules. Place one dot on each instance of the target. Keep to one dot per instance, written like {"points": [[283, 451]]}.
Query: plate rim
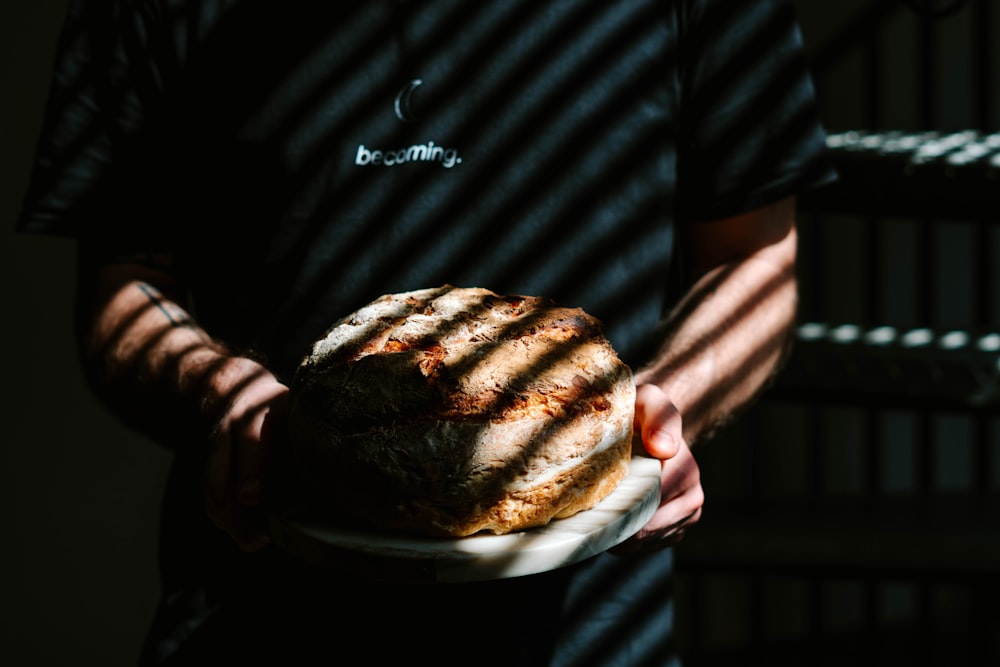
{"points": [[398, 557]]}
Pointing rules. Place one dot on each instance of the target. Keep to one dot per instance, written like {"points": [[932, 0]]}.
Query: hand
{"points": [[659, 426], [240, 454]]}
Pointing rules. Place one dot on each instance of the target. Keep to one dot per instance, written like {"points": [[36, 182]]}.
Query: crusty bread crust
{"points": [[450, 411]]}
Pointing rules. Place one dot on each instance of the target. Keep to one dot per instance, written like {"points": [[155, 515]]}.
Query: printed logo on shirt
{"points": [[429, 152]]}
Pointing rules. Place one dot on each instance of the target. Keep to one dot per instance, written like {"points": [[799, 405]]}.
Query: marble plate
{"points": [[393, 557]]}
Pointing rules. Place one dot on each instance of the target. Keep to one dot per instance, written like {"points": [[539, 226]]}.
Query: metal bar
{"points": [[926, 57], [984, 72]]}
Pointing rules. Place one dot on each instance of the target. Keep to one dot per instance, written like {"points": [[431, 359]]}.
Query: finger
{"points": [[681, 477], [684, 511], [245, 525], [251, 462], [253, 433], [670, 535], [658, 421], [248, 529], [216, 482], [649, 539]]}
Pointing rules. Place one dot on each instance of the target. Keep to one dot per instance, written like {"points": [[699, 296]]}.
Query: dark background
{"points": [[80, 494]]}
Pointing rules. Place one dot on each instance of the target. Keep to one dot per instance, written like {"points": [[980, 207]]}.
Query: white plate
{"points": [[396, 557]]}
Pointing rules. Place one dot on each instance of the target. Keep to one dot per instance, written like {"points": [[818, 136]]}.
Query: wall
{"points": [[79, 495]]}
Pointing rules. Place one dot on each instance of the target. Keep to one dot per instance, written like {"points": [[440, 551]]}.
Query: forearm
{"points": [[727, 337], [151, 363]]}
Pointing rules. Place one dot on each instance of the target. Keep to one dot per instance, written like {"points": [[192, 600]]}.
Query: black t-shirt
{"points": [[302, 159]]}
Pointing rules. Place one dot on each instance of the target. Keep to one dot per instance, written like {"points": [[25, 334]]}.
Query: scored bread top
{"points": [[453, 410]]}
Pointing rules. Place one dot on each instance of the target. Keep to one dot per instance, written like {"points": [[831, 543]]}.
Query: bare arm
{"points": [[165, 376], [728, 335], [724, 341]]}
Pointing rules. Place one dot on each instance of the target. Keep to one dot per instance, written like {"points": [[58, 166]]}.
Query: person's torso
{"points": [[329, 153]]}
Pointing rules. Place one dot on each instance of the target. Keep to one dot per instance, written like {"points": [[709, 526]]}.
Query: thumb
{"points": [[658, 422]]}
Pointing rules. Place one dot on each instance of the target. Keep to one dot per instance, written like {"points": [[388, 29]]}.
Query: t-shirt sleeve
{"points": [[750, 132], [83, 183]]}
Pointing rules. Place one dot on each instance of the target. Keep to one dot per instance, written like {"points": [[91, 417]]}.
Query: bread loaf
{"points": [[450, 411]]}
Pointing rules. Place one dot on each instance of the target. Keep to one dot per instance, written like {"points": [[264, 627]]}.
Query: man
{"points": [[241, 174]]}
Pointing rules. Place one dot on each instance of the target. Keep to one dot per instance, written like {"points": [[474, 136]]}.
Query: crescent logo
{"points": [[403, 103]]}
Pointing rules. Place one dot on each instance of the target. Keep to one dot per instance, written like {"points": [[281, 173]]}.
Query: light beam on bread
{"points": [[450, 411]]}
